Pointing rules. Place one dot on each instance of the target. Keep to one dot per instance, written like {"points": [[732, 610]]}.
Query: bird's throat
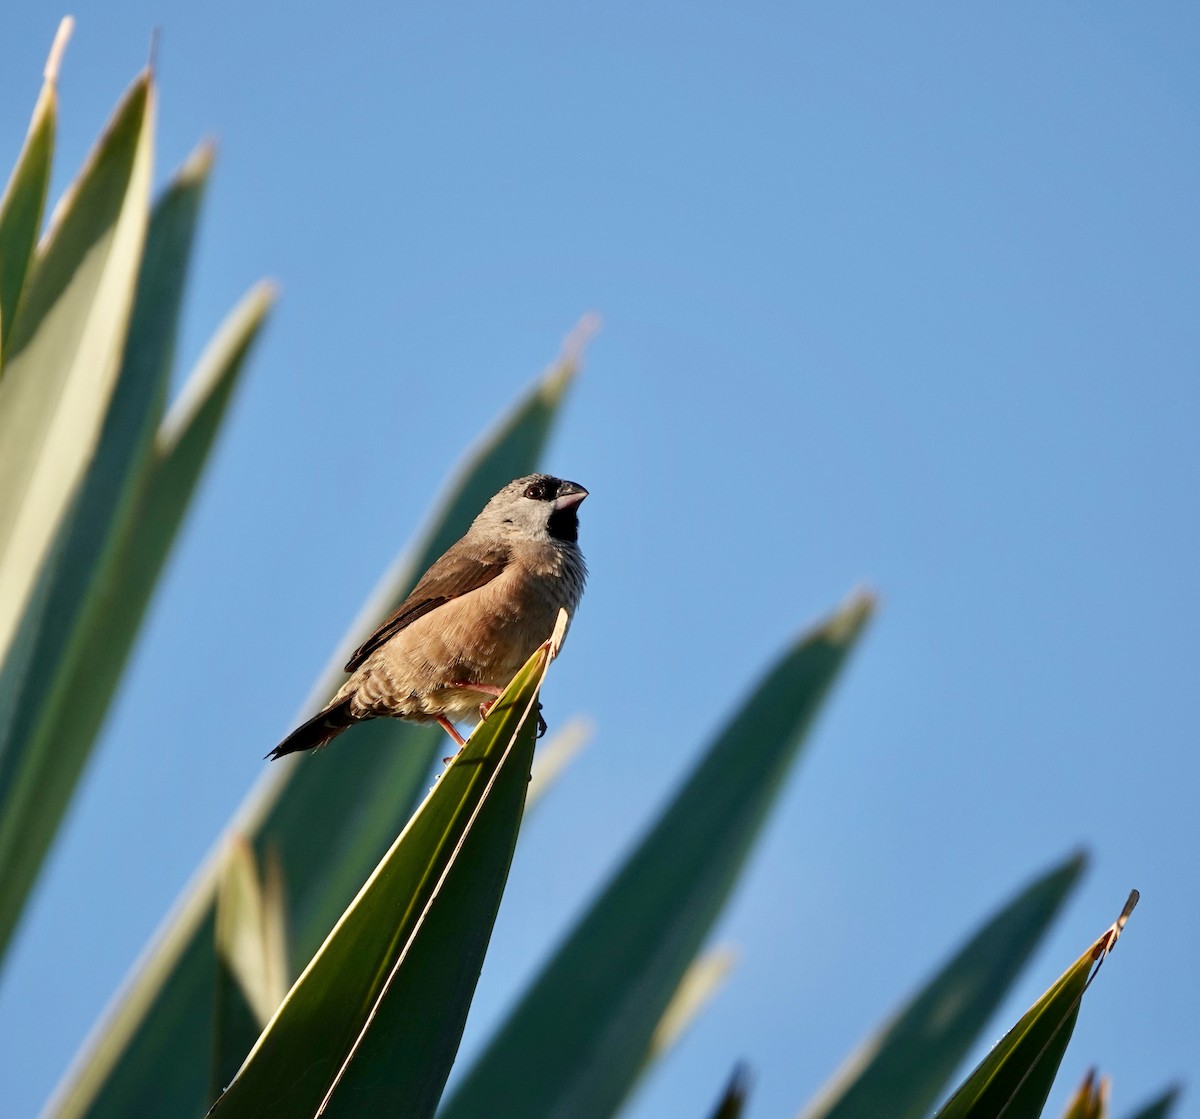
{"points": [[564, 524]]}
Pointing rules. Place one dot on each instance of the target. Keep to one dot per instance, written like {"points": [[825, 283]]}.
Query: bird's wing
{"points": [[455, 574]]}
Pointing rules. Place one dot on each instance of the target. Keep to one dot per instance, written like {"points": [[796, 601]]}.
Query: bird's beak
{"points": [[569, 495]]}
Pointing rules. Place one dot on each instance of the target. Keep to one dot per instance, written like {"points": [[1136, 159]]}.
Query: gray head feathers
{"points": [[538, 507]]}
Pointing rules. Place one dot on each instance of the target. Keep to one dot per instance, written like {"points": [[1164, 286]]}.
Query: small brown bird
{"points": [[474, 618]]}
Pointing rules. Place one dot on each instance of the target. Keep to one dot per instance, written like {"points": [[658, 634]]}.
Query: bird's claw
{"points": [[542, 728]]}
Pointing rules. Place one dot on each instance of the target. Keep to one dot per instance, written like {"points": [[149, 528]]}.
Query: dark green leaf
{"points": [[902, 1071], [372, 1026], [576, 1041], [733, 1099], [1015, 1078], [1160, 1107]]}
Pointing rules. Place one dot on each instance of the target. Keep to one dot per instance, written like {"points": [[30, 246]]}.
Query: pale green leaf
{"points": [[555, 753], [64, 348], [24, 198], [251, 945], [81, 638], [705, 976]]}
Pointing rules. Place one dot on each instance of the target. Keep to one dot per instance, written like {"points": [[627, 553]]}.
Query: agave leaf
{"points": [[372, 1026], [64, 348], [24, 198], [1159, 1107], [705, 976], [1090, 1100], [331, 818], [251, 946], [903, 1069], [75, 661], [575, 1043], [733, 1099], [1015, 1078]]}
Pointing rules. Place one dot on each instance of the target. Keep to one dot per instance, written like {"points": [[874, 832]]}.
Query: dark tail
{"points": [[323, 727]]}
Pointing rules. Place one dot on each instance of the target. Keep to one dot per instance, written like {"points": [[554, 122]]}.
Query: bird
{"points": [[474, 618]]}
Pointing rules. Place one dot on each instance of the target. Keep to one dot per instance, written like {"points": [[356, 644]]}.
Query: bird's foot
{"points": [[542, 728]]}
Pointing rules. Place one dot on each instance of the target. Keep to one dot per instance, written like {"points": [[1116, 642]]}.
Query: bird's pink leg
{"points": [[448, 727]]}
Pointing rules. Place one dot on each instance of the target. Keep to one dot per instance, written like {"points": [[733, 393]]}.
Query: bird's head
{"points": [[536, 507]]}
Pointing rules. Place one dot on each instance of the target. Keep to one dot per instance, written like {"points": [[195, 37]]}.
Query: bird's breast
{"points": [[485, 635]]}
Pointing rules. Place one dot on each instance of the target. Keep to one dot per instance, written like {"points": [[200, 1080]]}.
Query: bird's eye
{"points": [[536, 491]]}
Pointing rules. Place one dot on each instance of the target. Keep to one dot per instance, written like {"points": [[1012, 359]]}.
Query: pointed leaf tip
{"points": [[61, 37], [904, 1067], [850, 618], [563, 369], [560, 632], [1161, 1106], [1109, 940], [198, 165], [733, 1099]]}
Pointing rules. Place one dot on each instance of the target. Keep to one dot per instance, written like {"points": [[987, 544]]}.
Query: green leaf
{"points": [[1159, 1107], [903, 1070], [79, 647], [1015, 1078], [64, 348], [575, 1043], [373, 1024], [24, 198], [252, 965], [331, 817], [180, 450]]}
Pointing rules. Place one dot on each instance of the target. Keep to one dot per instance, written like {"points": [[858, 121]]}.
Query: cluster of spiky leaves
{"points": [[332, 869], [95, 473]]}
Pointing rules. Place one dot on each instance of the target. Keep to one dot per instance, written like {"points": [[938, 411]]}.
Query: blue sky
{"points": [[904, 296]]}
